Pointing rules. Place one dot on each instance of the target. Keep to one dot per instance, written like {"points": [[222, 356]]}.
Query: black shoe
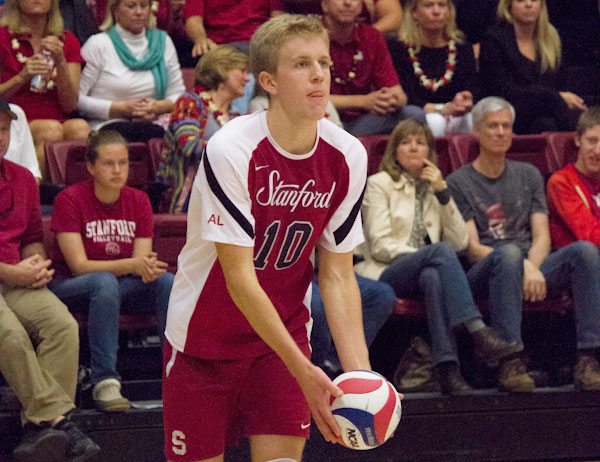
{"points": [[489, 345], [41, 443], [451, 380], [80, 446]]}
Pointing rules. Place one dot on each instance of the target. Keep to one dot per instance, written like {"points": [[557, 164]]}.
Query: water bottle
{"points": [[39, 82]]}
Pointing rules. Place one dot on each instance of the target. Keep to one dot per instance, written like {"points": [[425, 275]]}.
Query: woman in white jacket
{"points": [[413, 230]]}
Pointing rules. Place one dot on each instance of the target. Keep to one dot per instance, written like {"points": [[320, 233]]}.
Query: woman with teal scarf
{"points": [[132, 75]]}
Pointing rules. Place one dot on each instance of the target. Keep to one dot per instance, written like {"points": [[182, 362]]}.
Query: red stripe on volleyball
{"points": [[358, 386], [383, 417]]}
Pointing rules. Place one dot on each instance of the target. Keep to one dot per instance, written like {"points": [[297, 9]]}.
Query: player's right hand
{"points": [[318, 388]]}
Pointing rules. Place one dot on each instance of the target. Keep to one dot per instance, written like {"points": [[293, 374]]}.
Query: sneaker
{"points": [[513, 377], [107, 396], [587, 373], [489, 345], [80, 446], [41, 443]]}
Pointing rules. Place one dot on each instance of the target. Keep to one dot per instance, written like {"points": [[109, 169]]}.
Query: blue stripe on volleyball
{"points": [[363, 421]]}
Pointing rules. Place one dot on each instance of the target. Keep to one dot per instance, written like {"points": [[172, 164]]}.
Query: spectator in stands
{"points": [[21, 149], [504, 205], [104, 258], [221, 74], [169, 17], [383, 15], [574, 191], [519, 61], [78, 19], [413, 231], [132, 75], [364, 86], [39, 339], [436, 68], [28, 29]]}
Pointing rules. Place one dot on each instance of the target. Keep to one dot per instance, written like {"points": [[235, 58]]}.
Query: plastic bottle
{"points": [[39, 82]]}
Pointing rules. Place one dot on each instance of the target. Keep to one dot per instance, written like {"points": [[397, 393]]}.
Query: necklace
{"points": [[208, 102], [357, 57], [434, 84]]}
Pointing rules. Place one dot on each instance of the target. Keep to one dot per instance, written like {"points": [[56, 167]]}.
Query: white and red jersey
{"points": [[251, 193]]}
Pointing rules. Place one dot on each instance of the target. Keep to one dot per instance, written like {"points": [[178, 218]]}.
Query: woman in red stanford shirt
{"points": [[103, 256]]}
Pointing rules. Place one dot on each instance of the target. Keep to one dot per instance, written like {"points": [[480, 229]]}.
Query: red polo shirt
{"points": [[14, 51], [227, 21], [373, 72], [20, 211]]}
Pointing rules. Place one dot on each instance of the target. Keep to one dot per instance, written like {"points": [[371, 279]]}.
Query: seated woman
{"points": [[221, 74], [519, 61], [132, 74], [413, 230], [33, 43], [436, 69], [103, 257]]}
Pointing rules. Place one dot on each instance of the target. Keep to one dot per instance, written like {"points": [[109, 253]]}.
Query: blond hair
{"points": [[270, 37], [389, 162], [110, 20], [410, 33], [11, 17], [545, 37], [214, 65]]}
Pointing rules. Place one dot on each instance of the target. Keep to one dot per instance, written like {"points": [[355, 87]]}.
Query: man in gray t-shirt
{"points": [[504, 205]]}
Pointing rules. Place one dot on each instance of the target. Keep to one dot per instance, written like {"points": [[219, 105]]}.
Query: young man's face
{"points": [[302, 80], [4, 133], [588, 158], [494, 131], [341, 11]]}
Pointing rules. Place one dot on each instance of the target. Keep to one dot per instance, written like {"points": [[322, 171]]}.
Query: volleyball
{"points": [[369, 411]]}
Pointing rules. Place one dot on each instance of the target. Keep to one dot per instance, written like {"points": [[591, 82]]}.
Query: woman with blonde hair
{"points": [[40, 68], [221, 74], [519, 61], [132, 74], [436, 68], [413, 230]]}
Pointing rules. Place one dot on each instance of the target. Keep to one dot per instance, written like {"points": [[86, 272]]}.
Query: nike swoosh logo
{"points": [[261, 166], [304, 426]]}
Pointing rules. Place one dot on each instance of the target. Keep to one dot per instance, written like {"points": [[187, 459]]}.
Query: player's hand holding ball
{"points": [[368, 412]]}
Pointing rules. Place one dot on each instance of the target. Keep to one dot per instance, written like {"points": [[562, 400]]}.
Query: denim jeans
{"points": [[105, 294], [377, 303], [378, 124], [499, 278], [435, 273], [577, 266]]}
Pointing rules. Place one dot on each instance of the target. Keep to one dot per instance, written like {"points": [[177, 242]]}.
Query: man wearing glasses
{"points": [[39, 339]]}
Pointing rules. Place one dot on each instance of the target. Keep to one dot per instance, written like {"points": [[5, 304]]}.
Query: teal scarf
{"points": [[152, 60]]}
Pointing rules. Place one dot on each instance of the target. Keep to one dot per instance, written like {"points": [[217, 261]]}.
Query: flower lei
{"points": [[212, 107], [356, 59], [22, 59], [434, 84]]}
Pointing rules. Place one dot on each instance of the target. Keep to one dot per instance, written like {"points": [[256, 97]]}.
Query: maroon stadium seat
{"points": [[562, 147]]}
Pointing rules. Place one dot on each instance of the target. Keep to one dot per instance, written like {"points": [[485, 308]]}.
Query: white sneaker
{"points": [[107, 396]]}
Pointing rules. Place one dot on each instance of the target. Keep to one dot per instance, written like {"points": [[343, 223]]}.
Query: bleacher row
{"points": [[548, 152]]}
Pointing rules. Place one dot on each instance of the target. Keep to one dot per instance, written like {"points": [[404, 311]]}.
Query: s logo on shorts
{"points": [[178, 447]]}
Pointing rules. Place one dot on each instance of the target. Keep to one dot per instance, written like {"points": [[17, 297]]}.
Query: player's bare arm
{"points": [[242, 284], [341, 297]]}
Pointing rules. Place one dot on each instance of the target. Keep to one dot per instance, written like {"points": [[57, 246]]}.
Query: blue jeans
{"points": [[105, 294], [435, 273], [377, 303], [377, 124], [499, 278], [577, 267]]}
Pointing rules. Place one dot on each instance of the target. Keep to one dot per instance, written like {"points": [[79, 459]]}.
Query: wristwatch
{"points": [[439, 108]]}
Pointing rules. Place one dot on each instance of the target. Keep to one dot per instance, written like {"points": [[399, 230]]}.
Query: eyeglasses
{"points": [[7, 202]]}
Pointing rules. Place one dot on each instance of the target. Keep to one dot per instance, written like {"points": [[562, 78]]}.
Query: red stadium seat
{"points": [[169, 237], [189, 77], [562, 147], [375, 146], [56, 159]]}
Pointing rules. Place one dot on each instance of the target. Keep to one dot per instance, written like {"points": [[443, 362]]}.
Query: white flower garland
{"points": [[434, 84]]}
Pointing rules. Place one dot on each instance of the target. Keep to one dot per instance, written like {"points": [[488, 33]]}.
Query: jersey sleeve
{"points": [[222, 196], [344, 230]]}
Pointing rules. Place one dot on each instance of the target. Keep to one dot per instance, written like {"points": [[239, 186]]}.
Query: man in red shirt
{"points": [[364, 85], [39, 339], [574, 191]]}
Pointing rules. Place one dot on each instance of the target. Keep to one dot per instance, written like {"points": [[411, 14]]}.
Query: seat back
{"points": [[169, 237], [141, 169], [56, 159], [375, 146], [562, 148], [189, 77]]}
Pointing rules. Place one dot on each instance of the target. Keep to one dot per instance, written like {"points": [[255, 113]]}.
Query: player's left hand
{"points": [[318, 388]]}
